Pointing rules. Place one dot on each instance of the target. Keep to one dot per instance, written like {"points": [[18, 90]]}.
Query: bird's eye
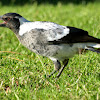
{"points": [[7, 19]]}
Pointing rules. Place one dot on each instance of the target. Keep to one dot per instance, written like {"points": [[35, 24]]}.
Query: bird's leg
{"points": [[65, 62], [57, 67]]}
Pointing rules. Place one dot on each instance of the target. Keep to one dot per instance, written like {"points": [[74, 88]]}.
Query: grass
{"points": [[22, 73]]}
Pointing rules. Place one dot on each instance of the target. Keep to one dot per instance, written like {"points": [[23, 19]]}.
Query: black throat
{"points": [[15, 25]]}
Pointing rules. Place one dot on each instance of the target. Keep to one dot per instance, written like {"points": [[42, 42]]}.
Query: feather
{"points": [[93, 49], [76, 36]]}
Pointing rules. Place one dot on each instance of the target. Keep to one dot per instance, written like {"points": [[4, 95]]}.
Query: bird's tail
{"points": [[94, 48], [94, 44]]}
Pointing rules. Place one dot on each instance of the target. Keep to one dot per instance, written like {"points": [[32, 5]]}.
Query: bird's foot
{"points": [[48, 76]]}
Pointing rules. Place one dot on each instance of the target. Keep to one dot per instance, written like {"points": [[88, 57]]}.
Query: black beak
{"points": [[2, 24]]}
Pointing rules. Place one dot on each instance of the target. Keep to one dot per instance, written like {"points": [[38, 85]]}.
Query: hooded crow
{"points": [[57, 42]]}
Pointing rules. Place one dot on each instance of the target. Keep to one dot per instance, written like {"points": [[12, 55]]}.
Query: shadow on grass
{"points": [[54, 2]]}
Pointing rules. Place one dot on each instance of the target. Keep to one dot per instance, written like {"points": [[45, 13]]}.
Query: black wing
{"points": [[76, 36]]}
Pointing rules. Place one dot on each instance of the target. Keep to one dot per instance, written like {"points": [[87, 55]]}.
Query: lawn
{"points": [[22, 73]]}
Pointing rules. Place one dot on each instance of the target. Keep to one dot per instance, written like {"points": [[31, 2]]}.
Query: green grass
{"points": [[22, 73]]}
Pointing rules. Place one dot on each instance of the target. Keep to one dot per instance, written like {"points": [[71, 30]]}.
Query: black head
{"points": [[11, 20], [13, 15]]}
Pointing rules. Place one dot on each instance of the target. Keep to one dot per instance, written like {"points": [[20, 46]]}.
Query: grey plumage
{"points": [[36, 41], [57, 42]]}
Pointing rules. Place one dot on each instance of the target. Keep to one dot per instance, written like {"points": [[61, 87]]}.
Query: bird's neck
{"points": [[23, 20], [16, 31]]}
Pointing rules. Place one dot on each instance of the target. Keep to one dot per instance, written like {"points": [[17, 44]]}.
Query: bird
{"points": [[56, 42]]}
